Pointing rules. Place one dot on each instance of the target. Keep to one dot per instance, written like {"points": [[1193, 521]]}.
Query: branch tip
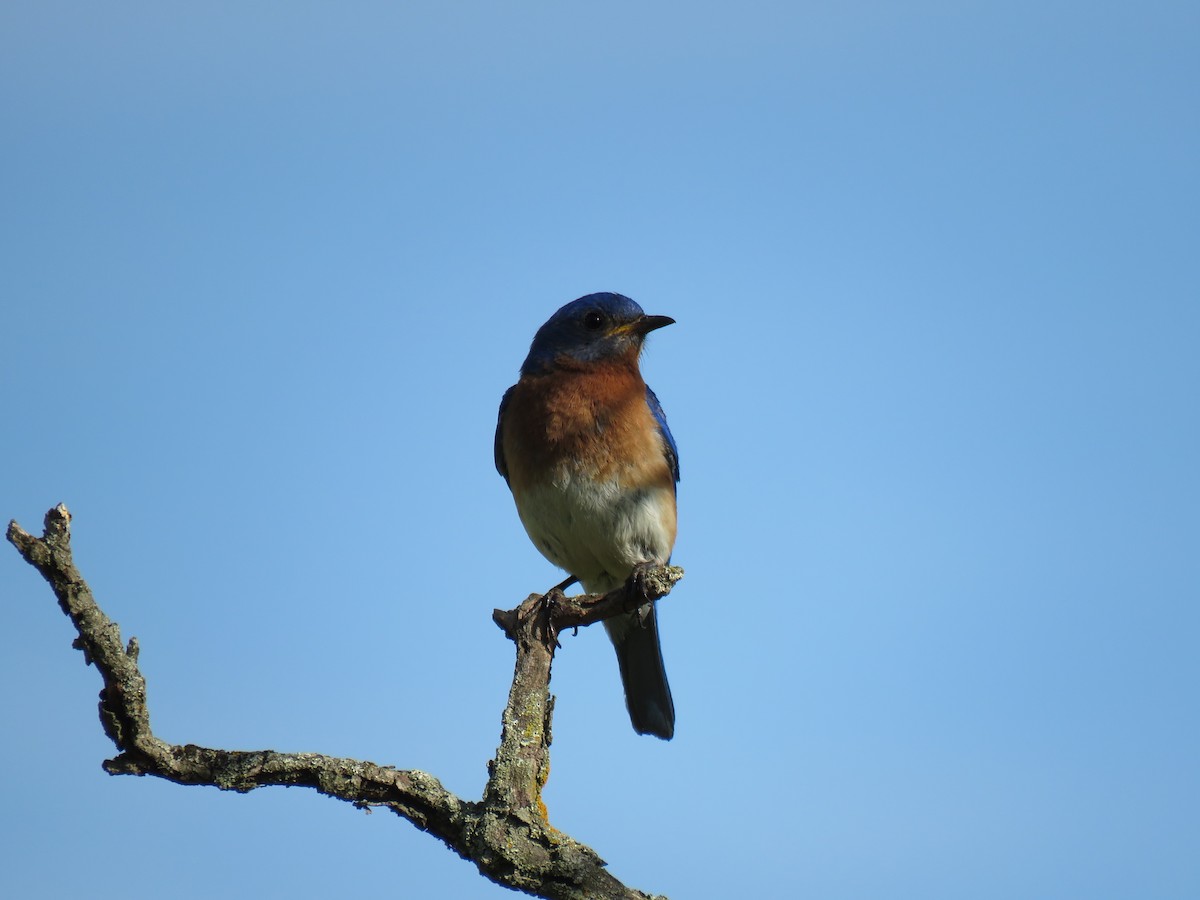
{"points": [[58, 521]]}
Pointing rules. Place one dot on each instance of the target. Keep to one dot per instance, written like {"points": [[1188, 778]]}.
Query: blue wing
{"points": [[501, 465], [661, 418]]}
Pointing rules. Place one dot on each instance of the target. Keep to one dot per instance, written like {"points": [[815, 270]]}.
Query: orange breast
{"points": [[588, 422]]}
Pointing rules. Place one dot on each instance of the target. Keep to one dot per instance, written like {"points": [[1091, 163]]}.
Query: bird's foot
{"points": [[639, 591], [564, 584], [550, 601]]}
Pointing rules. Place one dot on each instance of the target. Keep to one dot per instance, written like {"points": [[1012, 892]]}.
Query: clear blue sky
{"points": [[267, 268]]}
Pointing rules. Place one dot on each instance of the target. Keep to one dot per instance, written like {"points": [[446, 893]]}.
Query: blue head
{"points": [[590, 329]]}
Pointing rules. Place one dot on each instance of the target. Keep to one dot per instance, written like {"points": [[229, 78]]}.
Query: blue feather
{"points": [[661, 418]]}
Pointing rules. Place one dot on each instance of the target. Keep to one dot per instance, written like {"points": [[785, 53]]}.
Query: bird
{"points": [[584, 446]]}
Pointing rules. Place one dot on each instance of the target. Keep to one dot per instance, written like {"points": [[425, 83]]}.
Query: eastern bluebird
{"points": [[584, 446]]}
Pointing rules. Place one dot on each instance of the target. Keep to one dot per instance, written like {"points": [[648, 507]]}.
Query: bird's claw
{"points": [[550, 601], [639, 600]]}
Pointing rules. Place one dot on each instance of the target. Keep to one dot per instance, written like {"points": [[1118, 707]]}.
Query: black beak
{"points": [[646, 324]]}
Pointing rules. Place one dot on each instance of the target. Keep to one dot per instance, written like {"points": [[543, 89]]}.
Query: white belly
{"points": [[599, 532]]}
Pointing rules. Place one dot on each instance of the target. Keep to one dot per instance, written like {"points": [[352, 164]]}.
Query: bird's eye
{"points": [[593, 320]]}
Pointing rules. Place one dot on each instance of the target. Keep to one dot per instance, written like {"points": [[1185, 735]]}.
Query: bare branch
{"points": [[507, 834]]}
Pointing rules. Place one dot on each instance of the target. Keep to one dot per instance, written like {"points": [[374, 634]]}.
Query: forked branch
{"points": [[506, 834]]}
